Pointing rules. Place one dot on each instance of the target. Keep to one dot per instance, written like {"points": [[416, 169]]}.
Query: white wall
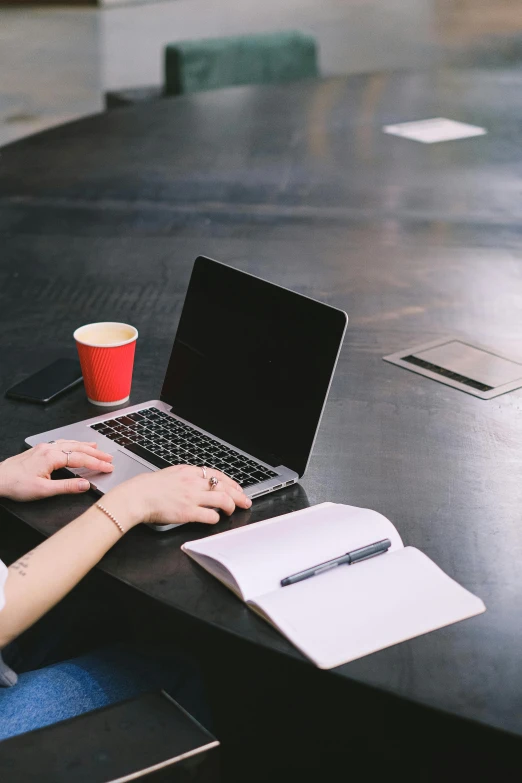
{"points": [[353, 35]]}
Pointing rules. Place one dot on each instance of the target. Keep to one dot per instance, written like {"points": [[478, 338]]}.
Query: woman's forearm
{"points": [[177, 495], [41, 578]]}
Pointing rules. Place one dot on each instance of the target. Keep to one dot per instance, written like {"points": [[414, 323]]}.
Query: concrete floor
{"points": [[56, 63]]}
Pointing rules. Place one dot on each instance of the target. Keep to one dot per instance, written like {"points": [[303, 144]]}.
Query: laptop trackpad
{"points": [[125, 467]]}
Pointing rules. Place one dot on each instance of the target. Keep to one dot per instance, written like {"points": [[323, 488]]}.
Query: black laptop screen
{"points": [[252, 363]]}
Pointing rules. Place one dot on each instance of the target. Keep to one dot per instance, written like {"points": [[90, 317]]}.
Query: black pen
{"points": [[378, 548]]}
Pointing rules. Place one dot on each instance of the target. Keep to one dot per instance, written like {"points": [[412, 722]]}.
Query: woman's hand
{"points": [[27, 476], [175, 495]]}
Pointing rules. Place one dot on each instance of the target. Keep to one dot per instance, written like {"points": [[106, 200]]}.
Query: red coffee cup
{"points": [[106, 352]]}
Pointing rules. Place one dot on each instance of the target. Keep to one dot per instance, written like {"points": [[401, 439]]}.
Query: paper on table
{"points": [[434, 130], [211, 557], [352, 611], [260, 555]]}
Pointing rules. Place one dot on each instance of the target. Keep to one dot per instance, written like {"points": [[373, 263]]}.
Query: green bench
{"points": [[209, 64]]}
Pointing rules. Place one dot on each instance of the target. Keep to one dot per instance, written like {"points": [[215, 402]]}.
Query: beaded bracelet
{"points": [[113, 518]]}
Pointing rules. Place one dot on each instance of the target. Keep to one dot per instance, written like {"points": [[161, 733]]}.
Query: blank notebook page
{"points": [[260, 555], [355, 610]]}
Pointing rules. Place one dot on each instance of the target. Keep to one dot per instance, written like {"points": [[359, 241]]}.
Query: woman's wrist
{"points": [[6, 480], [123, 507], [4, 483]]}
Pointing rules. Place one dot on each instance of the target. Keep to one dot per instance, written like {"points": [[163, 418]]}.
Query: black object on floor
{"points": [[150, 738]]}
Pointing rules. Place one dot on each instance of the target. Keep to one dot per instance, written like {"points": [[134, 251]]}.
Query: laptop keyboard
{"points": [[163, 441]]}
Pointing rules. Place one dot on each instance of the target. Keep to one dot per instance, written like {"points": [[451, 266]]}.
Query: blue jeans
{"points": [[97, 679]]}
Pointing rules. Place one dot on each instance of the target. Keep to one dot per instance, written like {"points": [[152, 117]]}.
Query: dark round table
{"points": [[101, 219]]}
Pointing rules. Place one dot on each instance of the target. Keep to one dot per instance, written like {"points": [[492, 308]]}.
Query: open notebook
{"points": [[349, 611]]}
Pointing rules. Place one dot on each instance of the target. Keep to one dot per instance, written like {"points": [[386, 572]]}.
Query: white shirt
{"points": [[3, 577], [7, 675]]}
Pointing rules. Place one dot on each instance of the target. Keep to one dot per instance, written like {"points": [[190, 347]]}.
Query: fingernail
{"points": [[110, 457], [83, 485], [249, 502]]}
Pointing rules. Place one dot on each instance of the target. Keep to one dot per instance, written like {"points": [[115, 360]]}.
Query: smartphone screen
{"points": [[48, 383]]}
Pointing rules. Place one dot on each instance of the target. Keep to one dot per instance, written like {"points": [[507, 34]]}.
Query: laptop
{"points": [[244, 390]]}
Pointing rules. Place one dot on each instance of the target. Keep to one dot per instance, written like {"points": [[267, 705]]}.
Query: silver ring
{"points": [[213, 482], [203, 468], [68, 455]]}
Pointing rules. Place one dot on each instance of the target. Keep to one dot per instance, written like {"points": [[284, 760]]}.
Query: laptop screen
{"points": [[252, 363]]}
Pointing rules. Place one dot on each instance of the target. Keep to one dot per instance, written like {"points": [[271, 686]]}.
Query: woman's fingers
{"points": [[218, 474], [236, 491], [226, 484], [217, 499], [221, 477], [82, 455], [240, 499], [72, 486], [86, 448], [80, 459], [205, 515], [237, 495]]}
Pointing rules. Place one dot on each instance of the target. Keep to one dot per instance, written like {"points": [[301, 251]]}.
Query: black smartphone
{"points": [[47, 384]]}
